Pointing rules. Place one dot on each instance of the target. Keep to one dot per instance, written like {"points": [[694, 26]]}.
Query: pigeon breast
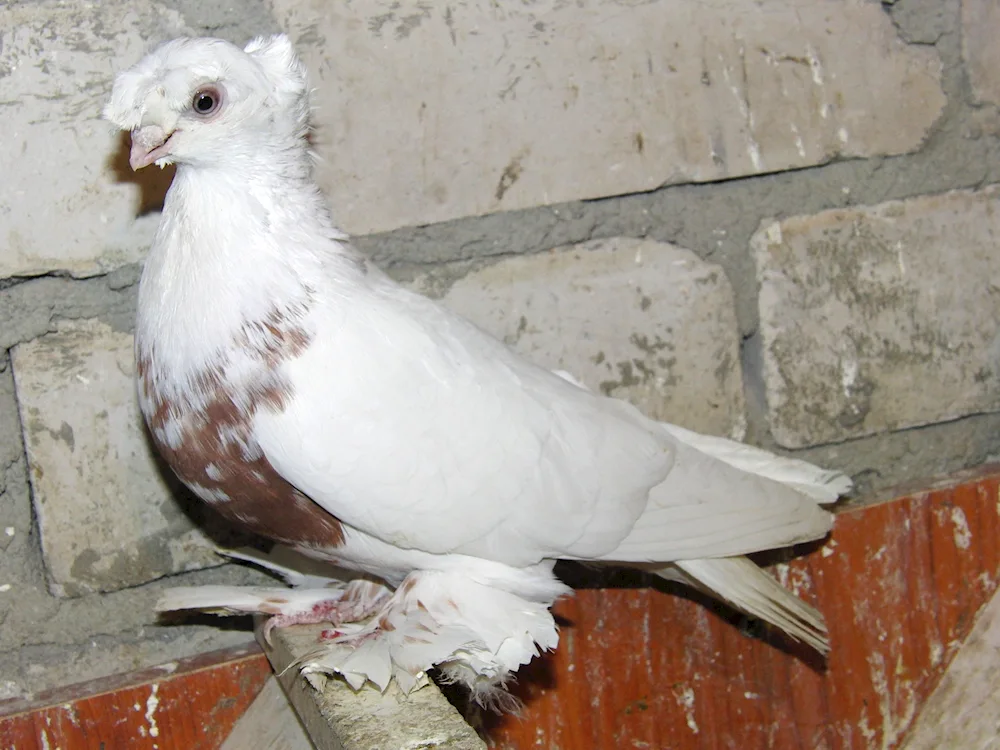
{"points": [[205, 430]]}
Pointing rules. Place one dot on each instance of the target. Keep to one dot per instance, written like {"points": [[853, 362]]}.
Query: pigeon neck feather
{"points": [[234, 246]]}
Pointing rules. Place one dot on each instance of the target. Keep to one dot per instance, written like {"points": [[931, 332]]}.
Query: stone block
{"points": [[430, 112], [68, 201], [635, 319], [105, 508], [880, 318], [980, 29]]}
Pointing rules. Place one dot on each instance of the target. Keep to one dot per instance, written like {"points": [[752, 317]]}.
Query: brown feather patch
{"points": [[217, 455]]}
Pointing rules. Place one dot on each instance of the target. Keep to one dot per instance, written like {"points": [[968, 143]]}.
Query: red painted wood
{"points": [[900, 584], [192, 707]]}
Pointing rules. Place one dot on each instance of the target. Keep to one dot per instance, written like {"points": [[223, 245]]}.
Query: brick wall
{"points": [[769, 220]]}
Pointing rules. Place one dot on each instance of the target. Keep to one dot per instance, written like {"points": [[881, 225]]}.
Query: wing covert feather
{"points": [[409, 423]]}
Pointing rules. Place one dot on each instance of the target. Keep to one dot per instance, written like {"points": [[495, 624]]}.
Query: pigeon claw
{"points": [[333, 611]]}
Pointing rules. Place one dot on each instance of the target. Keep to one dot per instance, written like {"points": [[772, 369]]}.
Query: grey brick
{"points": [[881, 318], [980, 27], [430, 112], [73, 203]]}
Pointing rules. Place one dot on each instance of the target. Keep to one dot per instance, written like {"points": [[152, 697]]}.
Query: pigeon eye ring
{"points": [[206, 101]]}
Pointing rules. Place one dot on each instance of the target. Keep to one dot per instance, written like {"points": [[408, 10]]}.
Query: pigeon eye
{"points": [[206, 101]]}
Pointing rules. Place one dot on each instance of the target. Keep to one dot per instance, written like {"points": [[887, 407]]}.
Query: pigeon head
{"points": [[206, 102]]}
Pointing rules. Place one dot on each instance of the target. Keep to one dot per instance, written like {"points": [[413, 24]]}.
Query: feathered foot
{"points": [[472, 627], [316, 595], [476, 634], [355, 601], [359, 600]]}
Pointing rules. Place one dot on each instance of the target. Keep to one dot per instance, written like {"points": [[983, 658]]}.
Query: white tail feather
{"points": [[822, 485], [749, 589], [227, 600], [293, 567]]}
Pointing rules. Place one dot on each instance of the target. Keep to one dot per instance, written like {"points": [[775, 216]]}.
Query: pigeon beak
{"points": [[149, 143]]}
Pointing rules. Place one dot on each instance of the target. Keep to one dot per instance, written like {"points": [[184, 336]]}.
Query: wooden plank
{"points": [[270, 723], [191, 704], [964, 710], [337, 718], [900, 584]]}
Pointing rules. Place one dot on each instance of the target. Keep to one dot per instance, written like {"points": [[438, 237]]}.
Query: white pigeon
{"points": [[307, 397]]}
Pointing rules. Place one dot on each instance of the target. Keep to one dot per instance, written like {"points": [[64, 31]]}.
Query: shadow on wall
{"points": [[153, 183]]}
